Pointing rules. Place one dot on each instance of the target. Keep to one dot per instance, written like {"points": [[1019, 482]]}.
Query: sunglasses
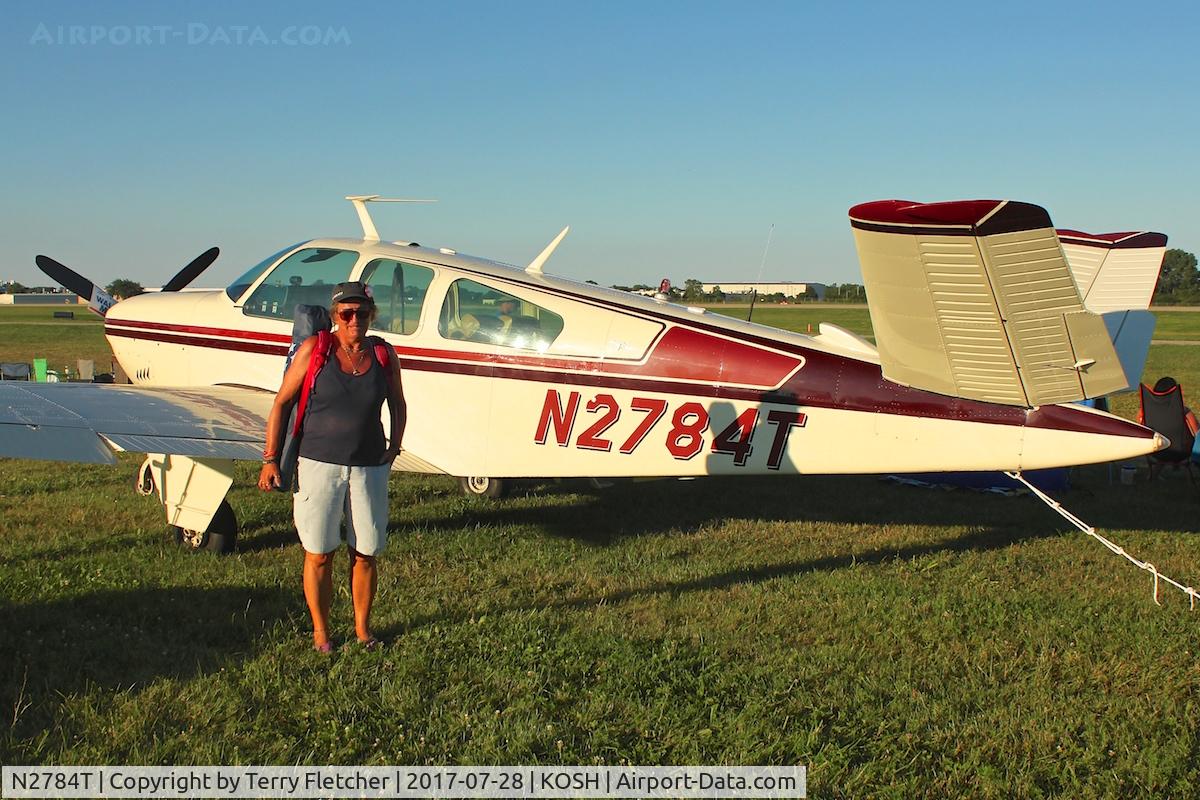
{"points": [[346, 314]]}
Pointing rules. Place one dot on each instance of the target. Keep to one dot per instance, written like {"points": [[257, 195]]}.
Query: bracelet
{"points": [[270, 460]]}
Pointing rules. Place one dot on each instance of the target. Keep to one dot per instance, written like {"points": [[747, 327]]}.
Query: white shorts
{"points": [[327, 489]]}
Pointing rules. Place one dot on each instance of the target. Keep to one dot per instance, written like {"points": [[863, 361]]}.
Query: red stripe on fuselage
{"points": [[681, 354], [826, 381], [196, 329], [194, 341]]}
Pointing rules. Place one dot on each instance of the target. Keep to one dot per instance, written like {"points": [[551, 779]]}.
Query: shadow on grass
{"points": [[979, 541], [638, 508], [273, 537], [122, 639]]}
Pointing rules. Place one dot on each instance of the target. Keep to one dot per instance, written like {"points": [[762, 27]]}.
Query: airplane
{"points": [[986, 340]]}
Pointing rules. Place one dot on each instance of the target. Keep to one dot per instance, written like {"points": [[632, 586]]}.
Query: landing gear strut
{"points": [[192, 491]]}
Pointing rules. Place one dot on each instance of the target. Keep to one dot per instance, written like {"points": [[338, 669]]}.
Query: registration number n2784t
{"points": [[689, 422]]}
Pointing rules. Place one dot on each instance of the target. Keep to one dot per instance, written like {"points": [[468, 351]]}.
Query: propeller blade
{"points": [[192, 270], [99, 300]]}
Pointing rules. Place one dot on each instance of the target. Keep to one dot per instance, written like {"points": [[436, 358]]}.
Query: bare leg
{"points": [[363, 580], [318, 592]]}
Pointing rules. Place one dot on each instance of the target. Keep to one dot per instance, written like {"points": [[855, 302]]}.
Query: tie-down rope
{"points": [[1090, 531]]}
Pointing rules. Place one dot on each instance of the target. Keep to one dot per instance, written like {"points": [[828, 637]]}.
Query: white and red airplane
{"points": [[983, 314]]}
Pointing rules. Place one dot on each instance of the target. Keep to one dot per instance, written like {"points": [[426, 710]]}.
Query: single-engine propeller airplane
{"points": [[989, 323]]}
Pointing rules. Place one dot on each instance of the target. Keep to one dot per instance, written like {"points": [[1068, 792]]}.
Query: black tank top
{"points": [[342, 424]]}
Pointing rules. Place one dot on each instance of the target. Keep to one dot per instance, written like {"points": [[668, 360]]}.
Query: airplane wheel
{"points": [[220, 537], [491, 488], [143, 480]]}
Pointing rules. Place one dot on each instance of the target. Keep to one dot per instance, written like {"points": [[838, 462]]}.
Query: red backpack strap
{"points": [[317, 361], [381, 355]]}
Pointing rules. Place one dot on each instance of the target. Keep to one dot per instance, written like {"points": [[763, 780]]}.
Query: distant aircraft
{"points": [[984, 337]]}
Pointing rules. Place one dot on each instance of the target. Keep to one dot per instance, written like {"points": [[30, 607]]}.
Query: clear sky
{"points": [[669, 135]]}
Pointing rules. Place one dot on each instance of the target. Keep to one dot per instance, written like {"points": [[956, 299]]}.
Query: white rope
{"points": [[1090, 531]]}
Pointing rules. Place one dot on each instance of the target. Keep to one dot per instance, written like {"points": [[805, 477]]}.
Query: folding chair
{"points": [[1162, 410], [15, 371]]}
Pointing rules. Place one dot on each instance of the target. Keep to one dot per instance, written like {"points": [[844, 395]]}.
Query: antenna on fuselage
{"points": [[535, 266], [761, 265], [360, 201]]}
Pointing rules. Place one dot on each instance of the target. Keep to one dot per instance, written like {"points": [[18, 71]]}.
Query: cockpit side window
{"points": [[307, 276], [244, 281], [479, 313], [399, 291]]}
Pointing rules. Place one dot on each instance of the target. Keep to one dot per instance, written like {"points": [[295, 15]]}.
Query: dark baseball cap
{"points": [[351, 290]]}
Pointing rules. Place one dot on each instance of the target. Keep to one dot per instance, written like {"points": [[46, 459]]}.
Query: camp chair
{"points": [[15, 371], [1162, 410]]}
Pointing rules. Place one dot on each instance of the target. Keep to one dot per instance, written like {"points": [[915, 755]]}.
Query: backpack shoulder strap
{"points": [[317, 361], [381, 348]]}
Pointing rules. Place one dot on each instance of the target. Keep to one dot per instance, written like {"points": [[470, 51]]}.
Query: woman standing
{"points": [[344, 457]]}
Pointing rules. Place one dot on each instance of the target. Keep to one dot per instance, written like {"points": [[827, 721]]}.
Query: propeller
{"points": [[99, 300], [192, 270]]}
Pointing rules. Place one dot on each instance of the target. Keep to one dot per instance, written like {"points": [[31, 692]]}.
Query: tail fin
{"points": [[1114, 271], [975, 299]]}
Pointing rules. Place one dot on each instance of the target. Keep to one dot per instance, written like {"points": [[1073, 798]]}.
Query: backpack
{"points": [[307, 322], [320, 356]]}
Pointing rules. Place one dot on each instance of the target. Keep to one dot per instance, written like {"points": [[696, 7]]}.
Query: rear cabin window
{"points": [[478, 313], [399, 291], [305, 277]]}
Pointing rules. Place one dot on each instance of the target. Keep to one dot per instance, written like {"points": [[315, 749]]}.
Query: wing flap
{"points": [[193, 448]]}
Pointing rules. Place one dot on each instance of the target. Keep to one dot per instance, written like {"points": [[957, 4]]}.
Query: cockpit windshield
{"points": [[244, 281], [306, 277]]}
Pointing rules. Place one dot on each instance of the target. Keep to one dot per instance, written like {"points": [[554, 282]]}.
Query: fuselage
{"points": [[509, 373]]}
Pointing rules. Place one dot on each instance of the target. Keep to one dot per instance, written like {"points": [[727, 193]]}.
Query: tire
{"points": [[490, 488], [221, 536]]}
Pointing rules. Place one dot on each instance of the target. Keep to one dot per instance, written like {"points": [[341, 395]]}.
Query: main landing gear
{"points": [[491, 488], [192, 491], [220, 536]]}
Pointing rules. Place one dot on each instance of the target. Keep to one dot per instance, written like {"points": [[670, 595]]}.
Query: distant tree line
{"points": [[692, 291], [122, 288], [1179, 281]]}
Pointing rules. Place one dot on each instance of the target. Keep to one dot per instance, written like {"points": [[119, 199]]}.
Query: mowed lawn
{"points": [[898, 641], [29, 332]]}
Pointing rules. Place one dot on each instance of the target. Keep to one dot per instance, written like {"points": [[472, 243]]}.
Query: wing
{"points": [[975, 299], [1114, 271], [87, 422]]}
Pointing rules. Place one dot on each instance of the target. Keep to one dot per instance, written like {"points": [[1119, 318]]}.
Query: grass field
{"points": [[897, 641], [29, 332]]}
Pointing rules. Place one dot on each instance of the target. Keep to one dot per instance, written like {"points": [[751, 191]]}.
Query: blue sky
{"points": [[669, 135]]}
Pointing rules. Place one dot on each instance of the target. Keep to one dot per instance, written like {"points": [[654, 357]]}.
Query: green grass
{"points": [[895, 641], [1171, 324], [805, 318], [29, 332], [899, 642], [1176, 324]]}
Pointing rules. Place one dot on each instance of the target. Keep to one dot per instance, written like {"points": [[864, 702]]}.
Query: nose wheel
{"points": [[491, 488]]}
